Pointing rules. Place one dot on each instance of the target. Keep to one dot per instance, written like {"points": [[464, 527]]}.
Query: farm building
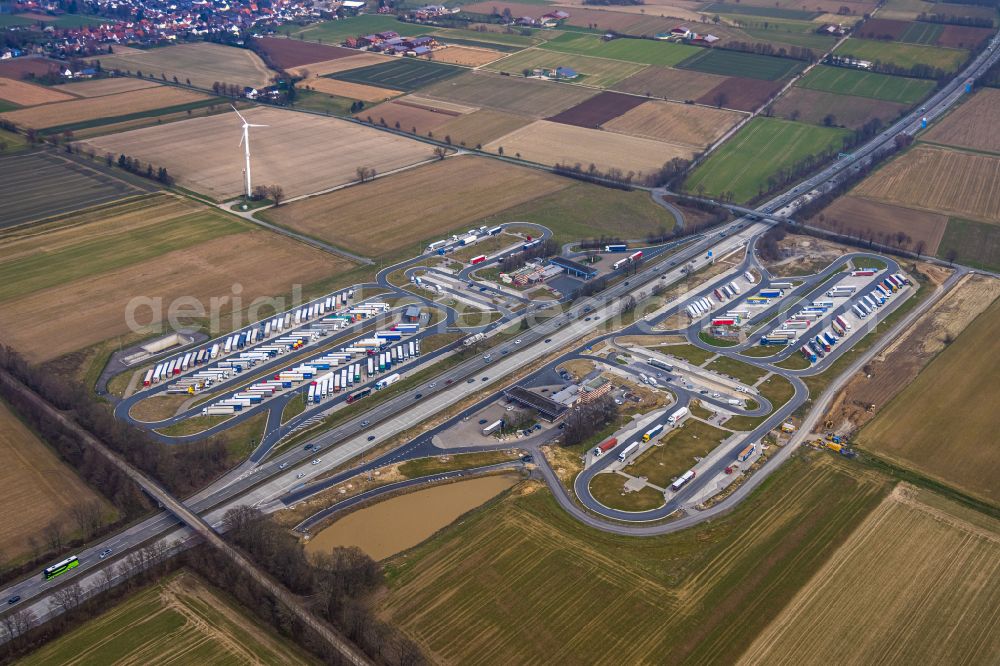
{"points": [[411, 314], [574, 268]]}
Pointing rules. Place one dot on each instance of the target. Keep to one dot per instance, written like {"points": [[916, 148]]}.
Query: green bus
{"points": [[60, 568]]}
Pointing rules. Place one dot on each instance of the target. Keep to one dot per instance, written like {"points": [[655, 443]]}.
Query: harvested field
{"points": [[476, 187], [918, 574], [624, 22], [973, 125], [740, 94], [303, 153], [102, 87], [813, 106], [407, 117], [156, 247], [897, 365], [675, 84], [109, 106], [327, 67], [866, 84], [963, 37], [285, 53], [944, 434], [465, 55], [40, 185], [350, 90], [699, 596], [400, 74], [681, 124], [38, 488], [26, 68], [203, 63], [528, 97], [641, 51], [599, 72], [598, 110], [516, 8], [855, 215], [761, 148], [179, 619], [940, 180], [904, 55], [554, 143], [481, 127], [23, 93], [747, 65]]}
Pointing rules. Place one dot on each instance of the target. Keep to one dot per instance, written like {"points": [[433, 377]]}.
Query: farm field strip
{"points": [[740, 93], [401, 74], [972, 125], [734, 63], [40, 185], [350, 90], [974, 243], [203, 63], [465, 56], [527, 97], [682, 124], [287, 53], [940, 180], [23, 93], [294, 151], [328, 67], [814, 106], [866, 84], [903, 55], [481, 127], [918, 577], [87, 109], [854, 215], [598, 110], [675, 84], [640, 51], [41, 487], [599, 72], [102, 87]]}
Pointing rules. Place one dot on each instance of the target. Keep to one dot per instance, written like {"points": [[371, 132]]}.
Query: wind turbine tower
{"points": [[245, 142]]}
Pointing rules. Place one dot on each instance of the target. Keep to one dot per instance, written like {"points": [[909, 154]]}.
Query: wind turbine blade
{"points": [[239, 114], [258, 125], [241, 139]]}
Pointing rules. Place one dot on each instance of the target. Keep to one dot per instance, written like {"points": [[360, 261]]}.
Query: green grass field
{"points": [[312, 100], [777, 390], [589, 211], [698, 596], [942, 423], [600, 72], [922, 33], [750, 10], [334, 32], [43, 269], [677, 452], [904, 55], [489, 38], [404, 74], [748, 374], [975, 243], [866, 84], [689, 353], [759, 150], [808, 40], [7, 106], [9, 21], [609, 490], [179, 620], [734, 63], [643, 51]]}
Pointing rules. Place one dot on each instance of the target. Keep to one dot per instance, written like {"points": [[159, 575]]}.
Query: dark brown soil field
{"points": [[853, 215], [668, 83], [882, 29], [812, 106], [963, 37], [740, 93], [598, 110], [19, 68], [286, 53]]}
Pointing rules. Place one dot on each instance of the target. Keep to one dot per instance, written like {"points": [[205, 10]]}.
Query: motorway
{"points": [[264, 484]]}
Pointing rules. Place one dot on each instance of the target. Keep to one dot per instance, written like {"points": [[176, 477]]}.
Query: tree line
{"points": [[947, 19]]}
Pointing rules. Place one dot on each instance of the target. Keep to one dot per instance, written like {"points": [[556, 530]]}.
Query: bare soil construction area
{"points": [[898, 364], [476, 188], [203, 63], [918, 575], [856, 215], [973, 125], [940, 180], [80, 110], [301, 152], [555, 143], [38, 484], [681, 124], [944, 423]]}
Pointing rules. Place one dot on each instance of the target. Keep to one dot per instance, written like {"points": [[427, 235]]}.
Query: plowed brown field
{"points": [[326, 67], [350, 90], [681, 124], [464, 55], [940, 180], [80, 110], [856, 215], [740, 93], [285, 53], [29, 94], [973, 125], [598, 110], [915, 583]]}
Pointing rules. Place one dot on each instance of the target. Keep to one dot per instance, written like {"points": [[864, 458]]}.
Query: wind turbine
{"points": [[245, 142]]}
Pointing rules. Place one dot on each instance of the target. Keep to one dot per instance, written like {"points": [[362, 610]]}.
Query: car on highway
{"points": [[518, 341], [548, 339], [471, 380], [316, 461], [449, 381], [418, 396], [308, 447], [283, 465], [432, 385], [716, 395], [485, 378], [364, 423], [526, 459], [371, 438], [14, 599], [105, 553], [300, 475], [482, 421]]}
